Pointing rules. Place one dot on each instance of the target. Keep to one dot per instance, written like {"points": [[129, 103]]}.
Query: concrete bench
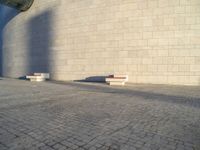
{"points": [[38, 77], [117, 79], [35, 78], [44, 75]]}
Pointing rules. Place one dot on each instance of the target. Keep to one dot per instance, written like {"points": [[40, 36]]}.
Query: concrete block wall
{"points": [[153, 41]]}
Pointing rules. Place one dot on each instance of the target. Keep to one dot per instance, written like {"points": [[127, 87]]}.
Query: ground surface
{"points": [[59, 116]]}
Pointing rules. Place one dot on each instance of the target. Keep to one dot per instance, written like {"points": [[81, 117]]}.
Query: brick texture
{"points": [[153, 41]]}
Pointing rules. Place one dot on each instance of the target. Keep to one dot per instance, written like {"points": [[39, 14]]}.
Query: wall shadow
{"points": [[40, 41], [6, 15], [145, 95]]}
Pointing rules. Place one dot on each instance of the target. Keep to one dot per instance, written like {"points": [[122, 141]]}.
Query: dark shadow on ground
{"points": [[150, 96], [6, 14], [40, 41], [98, 79], [22, 78]]}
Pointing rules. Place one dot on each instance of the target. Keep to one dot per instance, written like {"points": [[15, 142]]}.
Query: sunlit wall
{"points": [[153, 41]]}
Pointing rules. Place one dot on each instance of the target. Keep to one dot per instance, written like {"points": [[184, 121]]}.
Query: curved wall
{"points": [[153, 41]]}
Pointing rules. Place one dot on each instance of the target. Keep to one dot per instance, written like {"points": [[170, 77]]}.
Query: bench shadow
{"points": [[22, 78], [97, 79]]}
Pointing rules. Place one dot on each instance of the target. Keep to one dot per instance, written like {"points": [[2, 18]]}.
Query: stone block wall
{"points": [[153, 41]]}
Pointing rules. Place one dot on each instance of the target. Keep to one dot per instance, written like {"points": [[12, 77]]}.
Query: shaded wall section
{"points": [[27, 43], [40, 42], [6, 15]]}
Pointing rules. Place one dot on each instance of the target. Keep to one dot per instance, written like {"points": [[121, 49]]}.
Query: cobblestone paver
{"points": [[79, 116]]}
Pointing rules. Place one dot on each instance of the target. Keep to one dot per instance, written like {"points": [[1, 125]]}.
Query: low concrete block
{"points": [[44, 75], [121, 76], [117, 83], [116, 79], [36, 78]]}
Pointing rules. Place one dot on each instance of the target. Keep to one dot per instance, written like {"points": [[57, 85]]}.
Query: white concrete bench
{"points": [[44, 75], [38, 77], [35, 78], [117, 79]]}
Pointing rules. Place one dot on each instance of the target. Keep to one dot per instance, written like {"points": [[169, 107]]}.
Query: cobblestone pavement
{"points": [[83, 116]]}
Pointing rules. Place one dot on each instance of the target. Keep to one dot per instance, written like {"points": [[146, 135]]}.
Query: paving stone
{"points": [[82, 116]]}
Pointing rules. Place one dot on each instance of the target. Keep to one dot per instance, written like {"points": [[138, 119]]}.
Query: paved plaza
{"points": [[93, 116]]}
